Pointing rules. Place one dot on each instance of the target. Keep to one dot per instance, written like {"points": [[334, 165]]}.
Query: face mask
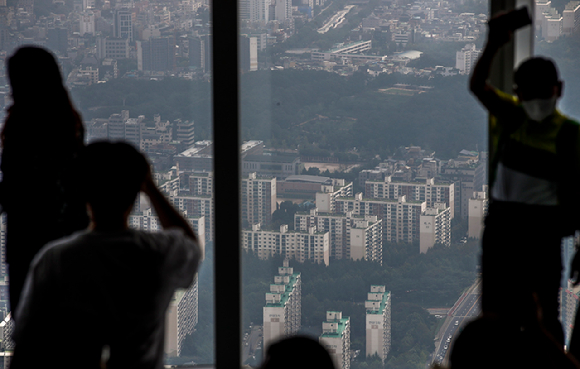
{"points": [[539, 109]]}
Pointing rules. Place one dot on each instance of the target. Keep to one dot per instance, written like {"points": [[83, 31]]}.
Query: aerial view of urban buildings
{"points": [[412, 196]]}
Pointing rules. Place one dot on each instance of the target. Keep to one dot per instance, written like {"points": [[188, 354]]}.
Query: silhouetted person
{"points": [[493, 342], [297, 352], [108, 286], [534, 158], [42, 135]]}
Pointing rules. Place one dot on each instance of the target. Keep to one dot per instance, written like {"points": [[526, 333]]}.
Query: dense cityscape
{"points": [[305, 204]]}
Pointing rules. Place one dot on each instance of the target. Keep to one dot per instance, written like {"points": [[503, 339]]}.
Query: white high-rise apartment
{"points": [[301, 246], [477, 210], [552, 25], [465, 58], [351, 237], [325, 200], [255, 10], [181, 318], [336, 224], [366, 239], [400, 217], [336, 338], [427, 190], [571, 18], [283, 310], [378, 322], [258, 199], [435, 224]]}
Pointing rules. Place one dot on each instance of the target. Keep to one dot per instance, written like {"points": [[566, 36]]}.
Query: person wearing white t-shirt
{"points": [[108, 286]]}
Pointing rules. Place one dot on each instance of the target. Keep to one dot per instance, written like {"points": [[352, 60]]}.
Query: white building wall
{"points": [[477, 210]]}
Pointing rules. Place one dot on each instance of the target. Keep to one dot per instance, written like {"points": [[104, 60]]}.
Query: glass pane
{"points": [[139, 72], [556, 26], [364, 173]]}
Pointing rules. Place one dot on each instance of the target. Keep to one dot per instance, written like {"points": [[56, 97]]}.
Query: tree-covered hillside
{"points": [[305, 109]]}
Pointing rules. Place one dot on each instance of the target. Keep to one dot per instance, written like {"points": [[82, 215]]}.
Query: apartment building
{"points": [[301, 246], [336, 338], [477, 210], [184, 132], [196, 183], [435, 227], [400, 218], [116, 125], [326, 200], [552, 24], [468, 176], [366, 239], [258, 200], [181, 318], [336, 224], [571, 18], [196, 206], [466, 57], [351, 237], [378, 322], [427, 190], [283, 310]]}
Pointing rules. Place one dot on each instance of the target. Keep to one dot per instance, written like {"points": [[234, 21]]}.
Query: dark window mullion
{"points": [[226, 132]]}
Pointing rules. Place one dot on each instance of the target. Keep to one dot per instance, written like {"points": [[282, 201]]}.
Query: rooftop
{"points": [[286, 294], [342, 324], [386, 296]]}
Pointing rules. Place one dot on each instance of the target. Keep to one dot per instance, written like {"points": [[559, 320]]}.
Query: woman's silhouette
{"points": [[42, 135]]}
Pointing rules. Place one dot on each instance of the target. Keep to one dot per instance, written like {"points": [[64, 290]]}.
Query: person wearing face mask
{"points": [[534, 155]]}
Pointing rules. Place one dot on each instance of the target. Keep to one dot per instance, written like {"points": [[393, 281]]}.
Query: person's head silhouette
{"points": [[538, 87], [297, 352], [34, 74], [41, 114]]}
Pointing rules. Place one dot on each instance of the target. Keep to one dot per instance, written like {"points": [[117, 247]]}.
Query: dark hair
{"points": [[536, 72], [297, 352], [111, 175], [42, 114]]}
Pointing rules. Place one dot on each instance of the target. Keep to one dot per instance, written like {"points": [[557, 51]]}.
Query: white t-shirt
{"points": [[96, 289]]}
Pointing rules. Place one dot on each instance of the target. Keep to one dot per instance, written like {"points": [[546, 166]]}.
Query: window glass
{"points": [[370, 155], [140, 72], [556, 27]]}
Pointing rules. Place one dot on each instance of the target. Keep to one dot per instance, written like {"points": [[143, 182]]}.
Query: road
{"points": [[466, 309], [251, 342], [336, 20]]}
